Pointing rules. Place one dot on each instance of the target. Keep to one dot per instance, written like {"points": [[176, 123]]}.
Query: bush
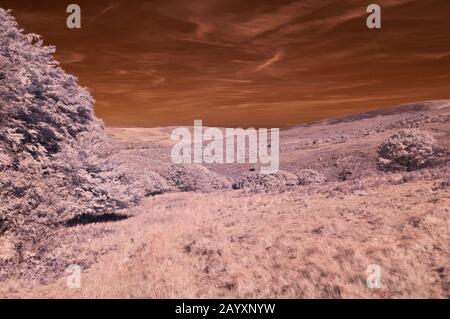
{"points": [[310, 176], [191, 178], [409, 149], [276, 181]]}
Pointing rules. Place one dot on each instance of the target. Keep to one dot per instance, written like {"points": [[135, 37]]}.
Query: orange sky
{"points": [[246, 63]]}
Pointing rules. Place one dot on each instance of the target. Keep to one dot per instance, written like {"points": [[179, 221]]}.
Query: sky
{"points": [[246, 63]]}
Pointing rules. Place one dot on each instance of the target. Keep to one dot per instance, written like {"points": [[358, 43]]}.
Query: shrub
{"points": [[190, 178], [310, 176], [408, 149], [276, 181]]}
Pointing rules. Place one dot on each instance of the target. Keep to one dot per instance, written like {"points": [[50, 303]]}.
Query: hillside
{"points": [[314, 240]]}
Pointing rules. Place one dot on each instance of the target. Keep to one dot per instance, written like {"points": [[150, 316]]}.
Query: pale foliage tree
{"points": [[56, 163]]}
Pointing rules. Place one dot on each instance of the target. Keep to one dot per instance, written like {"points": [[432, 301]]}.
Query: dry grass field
{"points": [[271, 245]]}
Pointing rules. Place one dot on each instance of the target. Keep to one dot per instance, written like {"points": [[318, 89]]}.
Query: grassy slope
{"points": [[306, 242]]}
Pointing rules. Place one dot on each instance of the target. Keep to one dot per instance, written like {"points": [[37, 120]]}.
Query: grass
{"points": [[284, 245]]}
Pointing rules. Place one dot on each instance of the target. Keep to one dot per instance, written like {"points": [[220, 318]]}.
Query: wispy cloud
{"points": [[109, 8], [277, 57], [225, 59], [104, 11]]}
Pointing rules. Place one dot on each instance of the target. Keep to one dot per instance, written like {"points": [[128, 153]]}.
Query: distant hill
{"points": [[401, 109]]}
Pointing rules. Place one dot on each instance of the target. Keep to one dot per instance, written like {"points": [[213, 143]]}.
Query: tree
{"points": [[56, 164]]}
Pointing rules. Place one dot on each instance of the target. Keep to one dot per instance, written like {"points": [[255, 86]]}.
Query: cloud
{"points": [[203, 56], [109, 8], [70, 57], [277, 57], [104, 11]]}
